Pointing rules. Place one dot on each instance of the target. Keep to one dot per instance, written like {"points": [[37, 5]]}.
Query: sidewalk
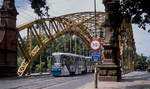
{"points": [[133, 80]]}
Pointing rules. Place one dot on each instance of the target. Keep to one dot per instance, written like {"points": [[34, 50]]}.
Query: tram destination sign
{"points": [[95, 44]]}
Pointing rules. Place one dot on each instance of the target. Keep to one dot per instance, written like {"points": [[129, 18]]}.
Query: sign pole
{"points": [[95, 76], [95, 16]]}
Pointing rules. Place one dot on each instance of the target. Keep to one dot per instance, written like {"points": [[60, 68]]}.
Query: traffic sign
{"points": [[95, 53], [95, 58], [95, 44]]}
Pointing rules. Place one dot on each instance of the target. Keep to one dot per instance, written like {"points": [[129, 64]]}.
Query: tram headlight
{"points": [[59, 69]]}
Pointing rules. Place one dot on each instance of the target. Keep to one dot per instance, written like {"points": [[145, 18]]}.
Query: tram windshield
{"points": [[56, 58]]}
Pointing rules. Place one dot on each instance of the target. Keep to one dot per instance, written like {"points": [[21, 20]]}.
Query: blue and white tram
{"points": [[68, 64]]}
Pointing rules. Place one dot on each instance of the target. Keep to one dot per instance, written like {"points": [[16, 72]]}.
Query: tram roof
{"points": [[67, 54]]}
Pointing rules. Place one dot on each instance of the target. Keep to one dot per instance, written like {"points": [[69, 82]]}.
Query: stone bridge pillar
{"points": [[109, 70], [8, 39]]}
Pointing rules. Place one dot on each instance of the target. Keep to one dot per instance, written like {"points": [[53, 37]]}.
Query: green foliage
{"points": [[139, 11], [141, 62], [19, 61], [40, 7], [148, 61], [49, 65], [40, 67], [65, 43]]}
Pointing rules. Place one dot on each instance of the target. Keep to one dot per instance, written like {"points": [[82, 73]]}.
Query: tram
{"points": [[64, 64]]}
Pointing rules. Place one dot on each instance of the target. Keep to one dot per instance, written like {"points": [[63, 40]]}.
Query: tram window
{"points": [[72, 60], [56, 58], [76, 60], [63, 59], [69, 60]]}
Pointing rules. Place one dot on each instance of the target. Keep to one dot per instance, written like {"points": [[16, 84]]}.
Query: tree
{"points": [[40, 7], [141, 62], [148, 64], [138, 10]]}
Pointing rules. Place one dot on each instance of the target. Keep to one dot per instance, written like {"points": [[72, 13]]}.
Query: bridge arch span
{"points": [[46, 29]]}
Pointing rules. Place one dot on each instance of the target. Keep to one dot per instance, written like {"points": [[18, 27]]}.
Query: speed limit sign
{"points": [[95, 44]]}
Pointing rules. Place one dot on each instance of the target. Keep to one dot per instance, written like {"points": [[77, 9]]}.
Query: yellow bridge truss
{"points": [[46, 29], [81, 24]]}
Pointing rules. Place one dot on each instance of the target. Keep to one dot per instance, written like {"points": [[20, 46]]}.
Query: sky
{"points": [[62, 7]]}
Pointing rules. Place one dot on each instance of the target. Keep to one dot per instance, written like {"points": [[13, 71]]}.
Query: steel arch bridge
{"points": [[81, 24], [47, 29]]}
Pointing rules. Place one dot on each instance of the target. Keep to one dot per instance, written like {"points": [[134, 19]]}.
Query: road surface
{"points": [[46, 82]]}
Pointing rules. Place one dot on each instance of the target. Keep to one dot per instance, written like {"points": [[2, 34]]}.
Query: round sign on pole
{"points": [[95, 44]]}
